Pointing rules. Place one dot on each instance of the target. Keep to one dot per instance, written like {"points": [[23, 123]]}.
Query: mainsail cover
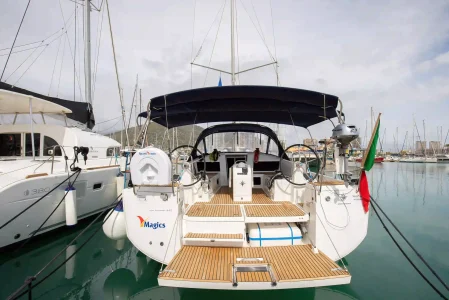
{"points": [[81, 112]]}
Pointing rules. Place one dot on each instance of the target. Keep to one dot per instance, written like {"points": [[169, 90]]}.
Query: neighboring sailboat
{"points": [[35, 158]]}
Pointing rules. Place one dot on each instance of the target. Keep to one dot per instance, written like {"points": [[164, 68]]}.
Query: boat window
{"points": [[28, 145], [112, 151], [273, 148], [49, 144], [237, 142], [10, 144]]}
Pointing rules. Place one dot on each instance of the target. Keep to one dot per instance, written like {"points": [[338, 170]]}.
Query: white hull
{"points": [[20, 194], [255, 285], [171, 224]]}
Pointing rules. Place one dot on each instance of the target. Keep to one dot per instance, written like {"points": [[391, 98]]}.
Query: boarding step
{"points": [[252, 273], [285, 212], [212, 212], [214, 239], [261, 268]]}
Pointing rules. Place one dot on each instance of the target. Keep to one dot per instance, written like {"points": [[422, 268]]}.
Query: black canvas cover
{"points": [[270, 104], [240, 127], [81, 112]]}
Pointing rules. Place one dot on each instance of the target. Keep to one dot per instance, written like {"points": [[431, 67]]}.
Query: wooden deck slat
{"points": [[262, 210], [274, 210], [328, 182], [224, 196], [289, 263], [202, 210]]}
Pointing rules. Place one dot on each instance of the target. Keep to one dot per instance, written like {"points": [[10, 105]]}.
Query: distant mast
{"points": [[87, 54]]}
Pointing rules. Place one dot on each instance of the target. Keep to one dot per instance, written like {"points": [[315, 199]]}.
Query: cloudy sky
{"points": [[389, 55]]}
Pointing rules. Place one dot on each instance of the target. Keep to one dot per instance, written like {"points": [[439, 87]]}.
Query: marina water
{"points": [[415, 196]]}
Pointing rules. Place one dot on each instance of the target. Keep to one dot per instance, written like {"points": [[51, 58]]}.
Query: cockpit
{"points": [[225, 145], [247, 155]]}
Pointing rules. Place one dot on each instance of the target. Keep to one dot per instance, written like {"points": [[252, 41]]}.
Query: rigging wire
{"points": [[60, 68], [411, 246], [261, 30], [15, 83], [258, 22], [32, 52], [274, 43], [215, 41], [29, 280], [260, 34], [99, 31], [15, 38], [34, 203], [193, 40], [208, 31], [403, 253], [47, 38], [35, 48], [27, 44], [115, 124], [332, 242], [19, 51], [107, 120], [122, 106], [51, 214], [54, 67], [70, 47]]}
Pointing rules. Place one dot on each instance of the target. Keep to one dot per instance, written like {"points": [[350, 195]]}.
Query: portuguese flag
{"points": [[367, 164]]}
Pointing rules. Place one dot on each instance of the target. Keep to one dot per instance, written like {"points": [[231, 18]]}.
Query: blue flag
{"points": [[219, 82]]}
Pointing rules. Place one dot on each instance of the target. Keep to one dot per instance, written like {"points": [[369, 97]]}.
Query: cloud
{"points": [[428, 65], [389, 55]]}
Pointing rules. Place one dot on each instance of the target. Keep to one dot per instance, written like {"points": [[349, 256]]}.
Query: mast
{"points": [[397, 138], [87, 54], [365, 137], [425, 141], [232, 44], [118, 79], [413, 136]]}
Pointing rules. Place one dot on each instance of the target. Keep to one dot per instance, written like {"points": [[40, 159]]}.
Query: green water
{"points": [[416, 197]]}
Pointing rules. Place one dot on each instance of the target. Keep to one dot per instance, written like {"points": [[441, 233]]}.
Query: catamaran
{"points": [[39, 152], [237, 219]]}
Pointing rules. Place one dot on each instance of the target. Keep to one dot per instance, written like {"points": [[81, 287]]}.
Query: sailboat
{"points": [[240, 220], [64, 172]]}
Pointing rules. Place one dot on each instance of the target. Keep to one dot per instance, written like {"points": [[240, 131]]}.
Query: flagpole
{"points": [[370, 141]]}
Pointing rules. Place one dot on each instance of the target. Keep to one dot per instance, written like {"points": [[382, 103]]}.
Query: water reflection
{"points": [[414, 180], [414, 195]]}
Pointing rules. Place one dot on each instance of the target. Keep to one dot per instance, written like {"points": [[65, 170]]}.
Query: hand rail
{"points": [[41, 164], [53, 157]]}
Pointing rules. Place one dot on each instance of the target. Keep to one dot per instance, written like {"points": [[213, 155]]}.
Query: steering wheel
{"points": [[180, 158], [296, 159]]}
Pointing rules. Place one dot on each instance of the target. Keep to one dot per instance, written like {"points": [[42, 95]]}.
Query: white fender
{"points": [[120, 181], [123, 163], [114, 227], [71, 217]]}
